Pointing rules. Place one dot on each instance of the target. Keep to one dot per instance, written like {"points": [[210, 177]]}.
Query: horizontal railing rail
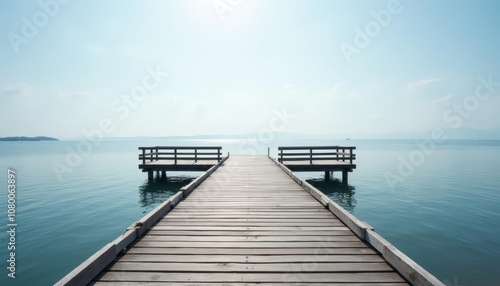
{"points": [[180, 153], [314, 153]]}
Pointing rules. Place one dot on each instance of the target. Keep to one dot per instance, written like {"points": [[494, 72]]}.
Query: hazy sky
{"points": [[158, 68]]}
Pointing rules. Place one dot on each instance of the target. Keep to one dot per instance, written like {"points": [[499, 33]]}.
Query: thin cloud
{"points": [[14, 89], [96, 49], [82, 93], [444, 99], [337, 89], [75, 94], [292, 88], [422, 83]]}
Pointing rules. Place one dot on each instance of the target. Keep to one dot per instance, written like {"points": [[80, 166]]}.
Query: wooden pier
{"points": [[319, 158], [249, 221], [176, 158]]}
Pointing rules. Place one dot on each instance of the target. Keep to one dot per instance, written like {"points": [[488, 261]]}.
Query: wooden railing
{"points": [[175, 153], [313, 153]]}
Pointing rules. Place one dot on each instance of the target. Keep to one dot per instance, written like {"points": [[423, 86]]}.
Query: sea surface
{"points": [[438, 203]]}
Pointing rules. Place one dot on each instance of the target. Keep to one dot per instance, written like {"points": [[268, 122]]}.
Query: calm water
{"points": [[445, 214]]}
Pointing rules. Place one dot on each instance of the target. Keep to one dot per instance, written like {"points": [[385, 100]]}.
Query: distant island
{"points": [[23, 138]]}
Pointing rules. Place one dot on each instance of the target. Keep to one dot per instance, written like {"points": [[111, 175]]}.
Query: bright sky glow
{"points": [[232, 64]]}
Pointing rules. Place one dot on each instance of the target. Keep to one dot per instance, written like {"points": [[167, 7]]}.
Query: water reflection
{"points": [[156, 191], [342, 194]]}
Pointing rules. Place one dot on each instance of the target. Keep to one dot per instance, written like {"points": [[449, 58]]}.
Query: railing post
{"points": [[219, 153], [311, 156], [281, 156], [151, 155], [195, 155], [175, 156], [350, 155], [343, 155], [156, 153], [143, 156]]}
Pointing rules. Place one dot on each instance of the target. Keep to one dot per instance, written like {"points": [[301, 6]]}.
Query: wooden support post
{"points": [[344, 176], [163, 175], [327, 175], [150, 175]]}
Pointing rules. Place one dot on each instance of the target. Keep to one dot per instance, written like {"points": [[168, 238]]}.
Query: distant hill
{"points": [[23, 138]]}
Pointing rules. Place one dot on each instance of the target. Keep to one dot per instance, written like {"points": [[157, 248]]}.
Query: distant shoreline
{"points": [[24, 138]]}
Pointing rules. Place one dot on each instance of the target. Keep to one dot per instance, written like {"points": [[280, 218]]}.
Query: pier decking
{"points": [[249, 222]]}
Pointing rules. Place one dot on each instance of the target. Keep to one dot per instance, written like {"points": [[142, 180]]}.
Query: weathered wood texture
{"points": [[248, 224], [413, 272], [91, 267]]}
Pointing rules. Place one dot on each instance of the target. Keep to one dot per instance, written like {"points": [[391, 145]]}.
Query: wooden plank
{"points": [[86, 271], [301, 221], [210, 209], [124, 283], [255, 194], [366, 277], [248, 233], [249, 204], [251, 258], [406, 266], [280, 238], [124, 240], [242, 223], [249, 224], [249, 228], [252, 251], [148, 220], [249, 244], [254, 199], [323, 267], [284, 212], [254, 215]]}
